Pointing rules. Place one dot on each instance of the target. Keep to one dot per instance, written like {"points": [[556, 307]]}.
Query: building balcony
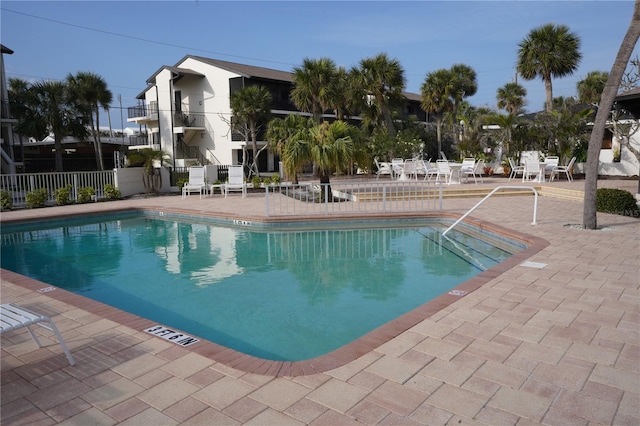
{"points": [[143, 114], [188, 124]]}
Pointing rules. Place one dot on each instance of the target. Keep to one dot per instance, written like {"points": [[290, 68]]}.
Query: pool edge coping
{"points": [[337, 358]]}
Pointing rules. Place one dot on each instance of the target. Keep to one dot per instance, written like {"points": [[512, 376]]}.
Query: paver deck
{"points": [[554, 345]]}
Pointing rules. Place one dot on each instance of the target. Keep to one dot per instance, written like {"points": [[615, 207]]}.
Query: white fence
{"points": [[18, 185], [353, 197]]}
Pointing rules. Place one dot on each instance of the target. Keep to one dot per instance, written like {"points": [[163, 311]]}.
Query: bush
{"points": [[181, 183], [275, 179], [616, 201], [256, 181], [5, 201], [111, 192], [63, 195], [85, 193], [37, 198]]}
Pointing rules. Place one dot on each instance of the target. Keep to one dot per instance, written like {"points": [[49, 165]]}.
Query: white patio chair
{"points": [[442, 156], [423, 168], [476, 171], [13, 317], [443, 171], [550, 163], [383, 168], [532, 168], [567, 170], [515, 169], [236, 181], [410, 169], [397, 168], [196, 181]]}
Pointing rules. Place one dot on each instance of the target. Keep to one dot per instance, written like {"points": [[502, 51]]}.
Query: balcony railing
{"points": [[187, 119], [142, 111]]}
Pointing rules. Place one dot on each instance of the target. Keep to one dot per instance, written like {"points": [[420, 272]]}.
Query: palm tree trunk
{"points": [[58, 157], [589, 217], [98, 143], [548, 88]]}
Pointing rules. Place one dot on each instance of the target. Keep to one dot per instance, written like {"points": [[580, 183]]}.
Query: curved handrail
{"points": [[535, 204]]}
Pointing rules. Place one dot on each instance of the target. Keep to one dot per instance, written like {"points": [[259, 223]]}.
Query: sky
{"points": [[126, 42]]}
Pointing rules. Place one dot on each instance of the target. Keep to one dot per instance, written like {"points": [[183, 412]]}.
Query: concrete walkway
{"points": [[556, 345]]}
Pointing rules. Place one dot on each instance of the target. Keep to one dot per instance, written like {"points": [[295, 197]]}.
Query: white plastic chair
{"points": [[236, 181], [397, 168], [515, 169], [564, 169], [13, 317], [532, 168], [423, 168], [443, 169], [196, 181], [476, 171], [410, 169], [382, 168], [550, 163]]}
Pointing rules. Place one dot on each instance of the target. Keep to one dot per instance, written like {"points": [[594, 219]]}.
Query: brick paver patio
{"points": [[555, 345]]}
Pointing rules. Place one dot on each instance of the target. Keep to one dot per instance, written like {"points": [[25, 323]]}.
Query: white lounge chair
{"points": [[382, 168], [550, 162], [443, 171], [13, 317], [515, 169], [236, 181], [476, 171], [196, 181], [564, 169], [423, 167], [532, 168]]}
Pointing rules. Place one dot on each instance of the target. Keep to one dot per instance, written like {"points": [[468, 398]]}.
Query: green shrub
{"points": [[63, 195], [256, 180], [111, 192], [275, 179], [616, 201], [5, 201], [85, 193], [37, 198], [181, 183]]}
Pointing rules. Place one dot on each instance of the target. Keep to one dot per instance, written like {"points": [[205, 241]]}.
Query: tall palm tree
{"points": [[57, 112], [591, 87], [312, 85], [91, 90], [383, 79], [251, 107], [435, 98], [463, 84], [329, 145], [511, 98], [589, 219], [549, 51]]}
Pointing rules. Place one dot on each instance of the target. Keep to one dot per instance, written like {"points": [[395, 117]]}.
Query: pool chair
{"points": [[550, 162], [443, 171], [563, 169], [532, 168], [13, 317], [196, 181], [515, 169], [476, 171], [236, 181], [382, 168]]}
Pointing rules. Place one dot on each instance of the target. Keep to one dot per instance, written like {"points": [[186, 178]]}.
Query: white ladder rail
{"points": [[535, 204]]}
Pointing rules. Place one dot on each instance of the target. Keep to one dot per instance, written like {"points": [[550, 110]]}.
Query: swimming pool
{"points": [[279, 293]]}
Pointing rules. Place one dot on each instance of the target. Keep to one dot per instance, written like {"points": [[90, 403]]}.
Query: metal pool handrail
{"points": [[535, 204]]}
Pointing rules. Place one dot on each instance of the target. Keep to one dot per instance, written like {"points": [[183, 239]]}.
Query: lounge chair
{"points": [[567, 170], [532, 168], [476, 171], [196, 181], [515, 169], [13, 317], [550, 163], [443, 170], [382, 168], [236, 181]]}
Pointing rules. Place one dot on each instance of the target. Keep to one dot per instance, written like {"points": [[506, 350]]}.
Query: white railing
{"points": [[19, 185], [535, 204], [352, 197]]}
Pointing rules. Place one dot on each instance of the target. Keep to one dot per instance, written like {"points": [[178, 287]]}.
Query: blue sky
{"points": [[127, 41]]}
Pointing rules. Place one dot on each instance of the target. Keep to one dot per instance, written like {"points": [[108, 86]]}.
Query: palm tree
{"points": [[281, 131], [329, 146], [511, 98], [313, 83], [591, 87], [589, 219], [382, 79], [463, 85], [549, 51], [250, 107], [435, 98], [151, 161], [91, 90]]}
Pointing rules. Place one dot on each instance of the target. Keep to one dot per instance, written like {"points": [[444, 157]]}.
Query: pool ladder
{"points": [[535, 204]]}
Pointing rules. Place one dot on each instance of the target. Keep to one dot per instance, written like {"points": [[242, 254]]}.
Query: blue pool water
{"points": [[279, 294]]}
